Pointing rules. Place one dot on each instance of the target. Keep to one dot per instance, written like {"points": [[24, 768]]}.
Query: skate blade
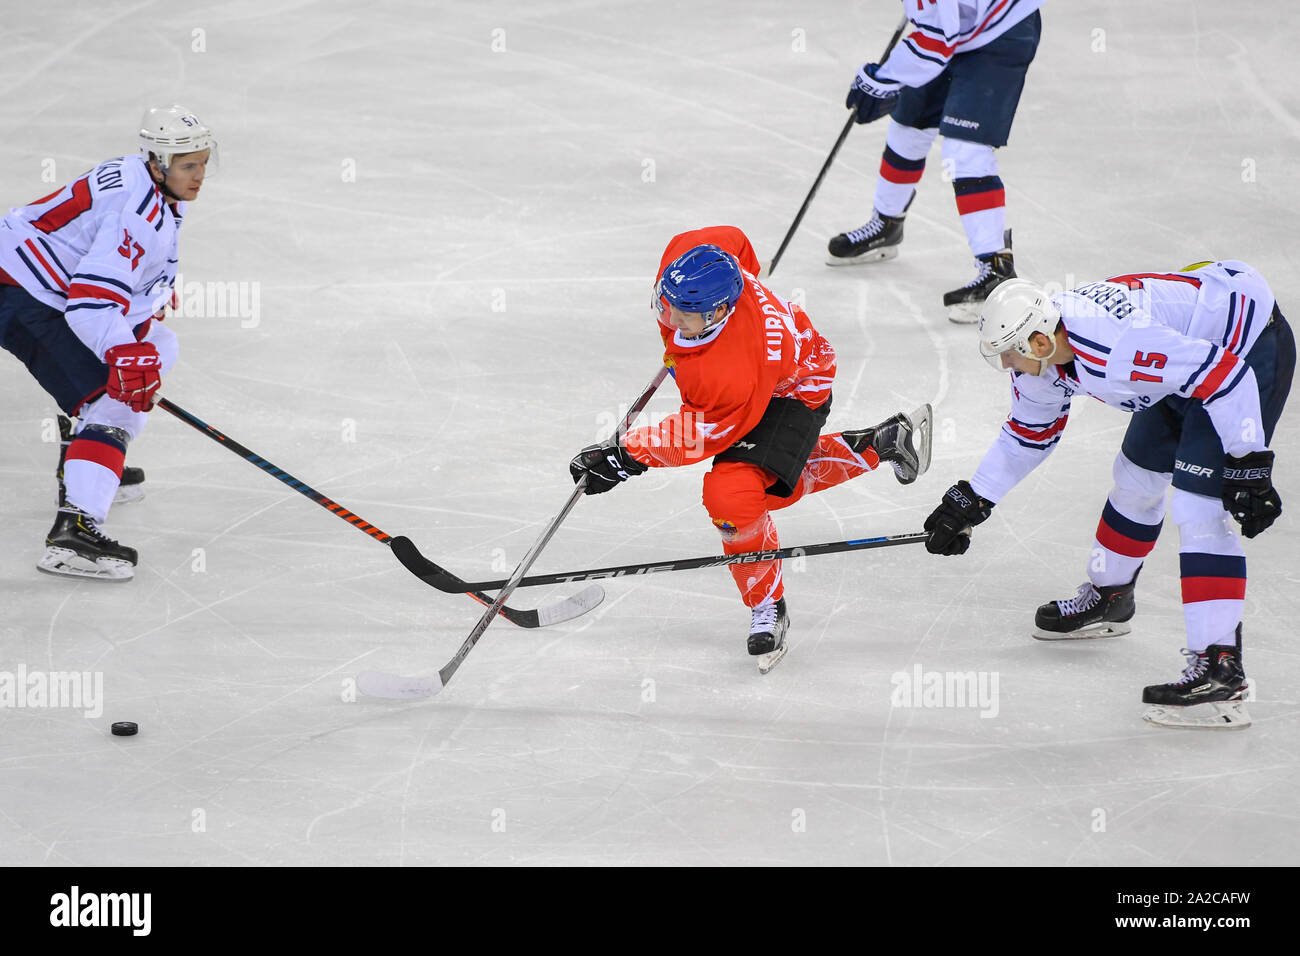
{"points": [[1217, 715], [967, 313], [1110, 629], [127, 494], [67, 563], [767, 661], [922, 428], [875, 255]]}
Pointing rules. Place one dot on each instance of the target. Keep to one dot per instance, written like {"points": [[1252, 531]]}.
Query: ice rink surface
{"points": [[443, 221]]}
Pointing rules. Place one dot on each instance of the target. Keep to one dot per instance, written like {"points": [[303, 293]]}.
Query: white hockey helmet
{"points": [[167, 131], [1015, 310]]}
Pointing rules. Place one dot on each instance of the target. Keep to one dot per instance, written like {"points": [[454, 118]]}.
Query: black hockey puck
{"points": [[125, 728]]}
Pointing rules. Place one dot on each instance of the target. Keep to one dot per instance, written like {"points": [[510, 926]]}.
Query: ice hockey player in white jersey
{"points": [[1203, 358], [85, 275], [957, 72]]}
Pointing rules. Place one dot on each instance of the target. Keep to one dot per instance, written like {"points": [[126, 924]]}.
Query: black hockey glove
{"points": [[605, 465], [949, 524], [1248, 493]]}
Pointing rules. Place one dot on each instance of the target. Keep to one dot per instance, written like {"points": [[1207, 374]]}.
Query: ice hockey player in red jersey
{"points": [[755, 380], [1203, 358], [957, 72], [85, 275]]}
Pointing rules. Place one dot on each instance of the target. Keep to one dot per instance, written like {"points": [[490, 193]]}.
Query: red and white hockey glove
{"points": [[134, 374]]}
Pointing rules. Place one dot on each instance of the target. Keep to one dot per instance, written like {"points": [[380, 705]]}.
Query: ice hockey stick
{"points": [[442, 579], [555, 613]]}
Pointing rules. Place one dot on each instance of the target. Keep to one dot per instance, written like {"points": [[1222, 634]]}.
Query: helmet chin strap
{"points": [[163, 187], [711, 324], [1044, 363], [167, 190]]}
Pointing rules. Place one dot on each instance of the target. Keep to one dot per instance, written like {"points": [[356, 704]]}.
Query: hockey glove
{"points": [[1248, 492], [872, 96], [605, 465], [949, 525], [134, 374]]}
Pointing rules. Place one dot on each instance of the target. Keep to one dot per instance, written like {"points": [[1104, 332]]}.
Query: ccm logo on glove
{"points": [[139, 361], [134, 374]]}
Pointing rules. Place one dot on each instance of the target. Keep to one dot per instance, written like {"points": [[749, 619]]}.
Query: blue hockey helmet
{"points": [[700, 280]]}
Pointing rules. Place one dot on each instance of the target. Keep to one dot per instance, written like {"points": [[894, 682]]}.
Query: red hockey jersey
{"points": [[767, 348]]}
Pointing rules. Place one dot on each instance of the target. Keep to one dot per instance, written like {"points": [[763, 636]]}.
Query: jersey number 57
{"points": [[126, 248]]}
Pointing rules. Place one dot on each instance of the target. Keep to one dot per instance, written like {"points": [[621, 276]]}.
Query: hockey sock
{"points": [[1129, 525], [901, 167], [831, 463], [1123, 543], [735, 497], [981, 200], [93, 469], [981, 203], [761, 580], [1212, 565]]}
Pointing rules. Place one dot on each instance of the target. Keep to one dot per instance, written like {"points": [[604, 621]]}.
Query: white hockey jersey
{"points": [[1138, 339], [102, 250], [940, 29]]}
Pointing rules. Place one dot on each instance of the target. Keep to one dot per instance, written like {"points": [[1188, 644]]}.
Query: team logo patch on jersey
{"points": [[727, 528]]}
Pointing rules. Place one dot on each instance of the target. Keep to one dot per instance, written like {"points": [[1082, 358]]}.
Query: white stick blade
{"points": [[393, 687], [566, 610]]}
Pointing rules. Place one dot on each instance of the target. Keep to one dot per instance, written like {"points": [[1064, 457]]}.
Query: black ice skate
{"points": [[1092, 612], [876, 240], [1209, 695], [130, 488], [77, 548], [994, 268], [903, 441], [767, 633]]}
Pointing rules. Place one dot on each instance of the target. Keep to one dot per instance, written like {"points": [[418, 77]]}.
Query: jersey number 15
{"points": [[1148, 360]]}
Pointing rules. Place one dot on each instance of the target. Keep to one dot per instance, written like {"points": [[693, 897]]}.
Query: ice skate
{"points": [[130, 488], [75, 547], [1092, 612], [993, 268], [903, 441], [1210, 695], [874, 241], [767, 633]]}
